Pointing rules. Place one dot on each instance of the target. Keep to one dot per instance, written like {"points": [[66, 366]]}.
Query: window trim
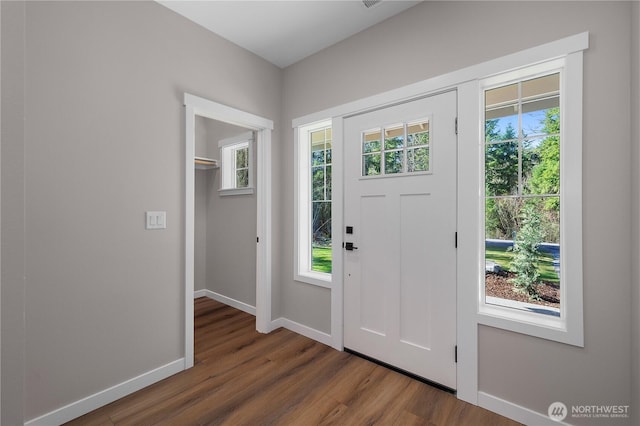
{"points": [[228, 173], [568, 328], [302, 190]]}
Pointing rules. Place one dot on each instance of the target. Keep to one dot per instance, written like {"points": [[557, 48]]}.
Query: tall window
{"points": [[321, 200], [236, 156], [532, 201], [522, 194], [313, 249]]}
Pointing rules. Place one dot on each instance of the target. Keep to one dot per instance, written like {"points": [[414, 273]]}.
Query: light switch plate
{"points": [[156, 220]]}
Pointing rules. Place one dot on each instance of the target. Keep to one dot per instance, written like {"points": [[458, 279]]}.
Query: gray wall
{"points": [[202, 183], [12, 293], [103, 142], [635, 196], [438, 37], [225, 255]]}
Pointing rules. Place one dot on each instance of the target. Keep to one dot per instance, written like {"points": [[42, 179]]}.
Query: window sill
{"points": [[235, 191], [533, 320], [320, 279]]}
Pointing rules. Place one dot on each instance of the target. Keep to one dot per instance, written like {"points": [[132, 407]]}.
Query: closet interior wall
{"points": [[225, 226]]}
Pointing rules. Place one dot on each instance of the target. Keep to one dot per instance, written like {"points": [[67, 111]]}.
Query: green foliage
{"points": [[540, 167], [502, 220], [503, 256], [321, 259], [501, 160], [526, 253], [545, 177]]}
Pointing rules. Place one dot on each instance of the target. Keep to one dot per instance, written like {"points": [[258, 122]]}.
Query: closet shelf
{"points": [[203, 163]]}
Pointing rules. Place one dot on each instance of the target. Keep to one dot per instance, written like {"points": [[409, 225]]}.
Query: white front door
{"points": [[400, 224]]}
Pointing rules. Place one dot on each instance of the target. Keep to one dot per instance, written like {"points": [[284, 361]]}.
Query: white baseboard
{"points": [[107, 396], [309, 332], [226, 300], [514, 411]]}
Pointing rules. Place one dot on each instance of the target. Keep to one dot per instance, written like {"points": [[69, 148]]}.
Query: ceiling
{"points": [[284, 32]]}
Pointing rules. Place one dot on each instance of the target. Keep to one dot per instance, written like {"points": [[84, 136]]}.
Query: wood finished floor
{"points": [[242, 377]]}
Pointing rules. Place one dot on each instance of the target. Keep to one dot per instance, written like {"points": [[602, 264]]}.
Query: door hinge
{"points": [[257, 239], [455, 354], [456, 125], [456, 239]]}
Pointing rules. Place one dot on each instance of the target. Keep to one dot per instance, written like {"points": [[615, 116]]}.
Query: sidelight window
{"points": [[531, 271], [313, 212]]}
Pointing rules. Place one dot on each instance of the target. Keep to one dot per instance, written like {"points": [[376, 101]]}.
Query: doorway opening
{"points": [[196, 109], [225, 214]]}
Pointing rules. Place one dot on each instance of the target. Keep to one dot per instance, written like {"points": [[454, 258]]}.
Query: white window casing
{"points": [[568, 327], [302, 203]]}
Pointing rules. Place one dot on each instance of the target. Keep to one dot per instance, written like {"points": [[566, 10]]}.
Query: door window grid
{"points": [[406, 149]]}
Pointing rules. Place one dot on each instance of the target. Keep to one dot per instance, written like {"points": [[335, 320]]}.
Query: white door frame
{"points": [[196, 106]]}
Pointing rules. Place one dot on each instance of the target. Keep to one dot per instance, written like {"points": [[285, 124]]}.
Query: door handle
{"points": [[350, 246]]}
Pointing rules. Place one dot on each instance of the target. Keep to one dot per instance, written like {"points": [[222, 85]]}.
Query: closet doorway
{"points": [[227, 211], [225, 214]]}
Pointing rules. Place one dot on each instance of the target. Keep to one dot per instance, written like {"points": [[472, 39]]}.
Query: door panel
{"points": [[400, 282]]}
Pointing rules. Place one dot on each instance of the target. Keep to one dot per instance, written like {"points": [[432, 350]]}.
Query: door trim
{"points": [[197, 106]]}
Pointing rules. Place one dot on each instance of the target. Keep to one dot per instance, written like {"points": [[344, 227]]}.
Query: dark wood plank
{"points": [[242, 377]]}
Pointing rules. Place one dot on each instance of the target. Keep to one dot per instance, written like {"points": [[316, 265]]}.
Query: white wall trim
{"points": [[468, 258], [107, 396], [245, 307], [206, 108], [304, 330], [337, 211], [514, 411]]}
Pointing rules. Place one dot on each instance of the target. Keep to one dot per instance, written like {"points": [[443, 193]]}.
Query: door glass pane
{"points": [[394, 137], [393, 162], [371, 141], [371, 165], [418, 133], [418, 160]]}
